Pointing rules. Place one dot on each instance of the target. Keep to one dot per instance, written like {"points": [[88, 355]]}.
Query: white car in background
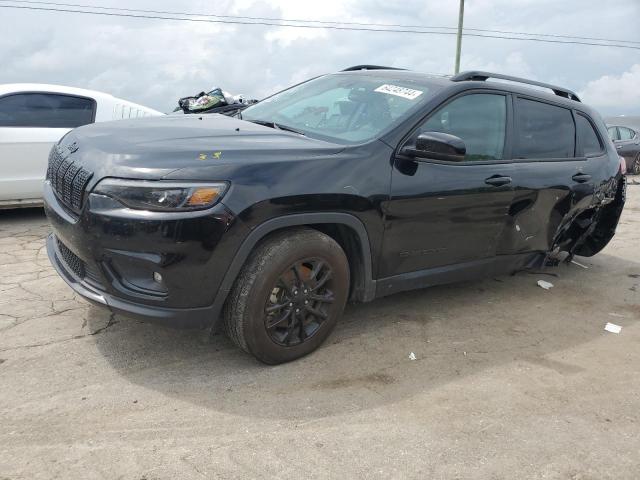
{"points": [[35, 116]]}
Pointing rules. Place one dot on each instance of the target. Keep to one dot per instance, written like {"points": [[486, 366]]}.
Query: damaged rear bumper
{"points": [[590, 231]]}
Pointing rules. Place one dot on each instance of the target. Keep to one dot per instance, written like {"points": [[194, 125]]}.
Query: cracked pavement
{"points": [[510, 381]]}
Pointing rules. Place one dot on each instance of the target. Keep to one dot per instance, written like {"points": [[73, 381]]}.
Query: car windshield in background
{"points": [[344, 108]]}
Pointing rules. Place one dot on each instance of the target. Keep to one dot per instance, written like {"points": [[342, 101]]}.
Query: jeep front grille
{"points": [[68, 180]]}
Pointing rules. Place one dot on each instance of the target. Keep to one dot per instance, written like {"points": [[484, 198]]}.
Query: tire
{"points": [[266, 314], [635, 167]]}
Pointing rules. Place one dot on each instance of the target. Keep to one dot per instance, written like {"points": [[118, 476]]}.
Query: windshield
{"points": [[343, 108]]}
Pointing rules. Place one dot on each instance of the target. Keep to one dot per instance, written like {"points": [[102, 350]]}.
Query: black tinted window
{"points": [[478, 119], [544, 131], [589, 139], [45, 110]]}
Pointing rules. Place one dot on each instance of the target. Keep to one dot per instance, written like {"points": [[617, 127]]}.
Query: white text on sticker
{"points": [[399, 91]]}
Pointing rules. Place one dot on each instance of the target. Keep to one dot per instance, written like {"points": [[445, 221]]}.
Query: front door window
{"points": [[478, 119]]}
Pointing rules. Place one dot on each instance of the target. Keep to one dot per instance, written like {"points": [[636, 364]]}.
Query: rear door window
{"points": [[589, 140], [626, 133], [46, 110], [543, 131]]}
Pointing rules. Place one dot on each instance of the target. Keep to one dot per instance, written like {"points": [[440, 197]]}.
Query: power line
{"points": [[272, 19], [328, 27]]}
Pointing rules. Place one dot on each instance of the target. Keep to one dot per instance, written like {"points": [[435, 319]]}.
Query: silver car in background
{"points": [[627, 142]]}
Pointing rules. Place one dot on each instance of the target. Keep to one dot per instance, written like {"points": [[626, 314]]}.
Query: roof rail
{"points": [[482, 76], [369, 67]]}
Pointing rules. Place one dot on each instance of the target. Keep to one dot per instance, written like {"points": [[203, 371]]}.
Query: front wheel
{"points": [[288, 296]]}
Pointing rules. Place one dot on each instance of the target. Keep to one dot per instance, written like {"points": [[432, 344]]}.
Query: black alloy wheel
{"points": [[297, 304], [288, 296]]}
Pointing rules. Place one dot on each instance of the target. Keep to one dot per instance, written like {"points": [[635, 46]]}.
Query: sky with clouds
{"points": [[154, 62]]}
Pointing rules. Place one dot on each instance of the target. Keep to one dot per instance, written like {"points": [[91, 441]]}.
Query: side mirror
{"points": [[437, 146]]}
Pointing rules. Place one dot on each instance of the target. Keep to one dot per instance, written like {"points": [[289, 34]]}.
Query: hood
{"points": [[151, 148]]}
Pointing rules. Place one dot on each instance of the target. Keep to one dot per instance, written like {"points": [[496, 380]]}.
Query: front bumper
{"points": [[173, 317], [109, 254]]}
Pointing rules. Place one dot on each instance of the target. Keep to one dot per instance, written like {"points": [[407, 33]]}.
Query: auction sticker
{"points": [[403, 92]]}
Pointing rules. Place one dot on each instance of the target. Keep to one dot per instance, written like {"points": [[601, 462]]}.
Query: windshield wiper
{"points": [[277, 126], [287, 128]]}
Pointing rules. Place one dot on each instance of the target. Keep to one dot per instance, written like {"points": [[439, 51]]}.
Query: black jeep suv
{"points": [[349, 186]]}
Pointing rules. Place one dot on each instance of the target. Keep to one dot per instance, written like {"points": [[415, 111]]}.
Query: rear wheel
{"points": [[289, 296], [635, 168]]}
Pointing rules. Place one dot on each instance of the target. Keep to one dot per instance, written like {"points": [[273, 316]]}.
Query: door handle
{"points": [[618, 147], [581, 177], [497, 180]]}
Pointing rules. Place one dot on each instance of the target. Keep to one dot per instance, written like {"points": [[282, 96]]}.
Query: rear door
{"points": [[30, 123], [627, 144], [444, 213], [553, 175]]}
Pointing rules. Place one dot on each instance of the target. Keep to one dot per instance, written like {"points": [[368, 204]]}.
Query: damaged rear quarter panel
{"points": [[547, 199]]}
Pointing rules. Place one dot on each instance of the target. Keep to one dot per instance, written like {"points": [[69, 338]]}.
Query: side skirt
{"points": [[459, 272]]}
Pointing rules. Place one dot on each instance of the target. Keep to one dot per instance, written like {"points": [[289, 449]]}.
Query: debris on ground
{"points": [[412, 356], [545, 285], [579, 264], [612, 327]]}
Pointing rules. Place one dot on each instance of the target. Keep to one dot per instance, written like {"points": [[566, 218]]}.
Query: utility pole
{"points": [[459, 39]]}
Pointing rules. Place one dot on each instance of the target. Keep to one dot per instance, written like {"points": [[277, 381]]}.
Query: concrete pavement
{"points": [[510, 381]]}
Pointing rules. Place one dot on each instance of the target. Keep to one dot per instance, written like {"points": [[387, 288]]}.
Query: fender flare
{"points": [[293, 220]]}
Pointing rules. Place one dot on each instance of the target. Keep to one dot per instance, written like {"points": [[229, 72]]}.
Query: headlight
{"points": [[162, 196]]}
